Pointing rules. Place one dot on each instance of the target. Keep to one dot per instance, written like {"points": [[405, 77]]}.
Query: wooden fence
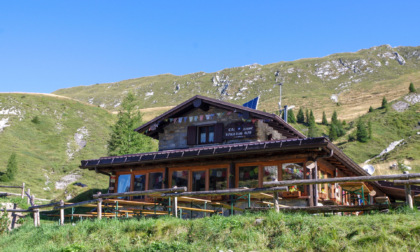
{"points": [[180, 193]]}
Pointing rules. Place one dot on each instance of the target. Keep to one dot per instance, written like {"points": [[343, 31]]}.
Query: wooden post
{"points": [[175, 208], [29, 198], [315, 187], [276, 202], [99, 210], [13, 217], [23, 190], [61, 213], [36, 212], [408, 196]]}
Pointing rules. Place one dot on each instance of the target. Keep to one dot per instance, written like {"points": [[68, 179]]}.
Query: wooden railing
{"points": [[173, 194]]}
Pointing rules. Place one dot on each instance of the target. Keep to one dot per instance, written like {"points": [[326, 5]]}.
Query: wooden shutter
{"points": [[192, 135], [218, 133]]}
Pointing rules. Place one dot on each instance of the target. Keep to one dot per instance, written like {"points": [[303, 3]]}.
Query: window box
{"points": [[295, 194]]}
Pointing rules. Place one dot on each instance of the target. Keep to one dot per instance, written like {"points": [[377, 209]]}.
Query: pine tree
{"points": [[291, 116], [370, 109], [311, 118], [300, 116], [124, 140], [307, 116], [412, 88], [384, 102], [324, 118], [333, 132], [334, 118], [361, 133], [11, 169]]}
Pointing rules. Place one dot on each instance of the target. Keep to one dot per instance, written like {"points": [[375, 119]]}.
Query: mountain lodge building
{"points": [[207, 144]]}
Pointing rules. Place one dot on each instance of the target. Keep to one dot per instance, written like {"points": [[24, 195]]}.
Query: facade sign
{"points": [[239, 130]]}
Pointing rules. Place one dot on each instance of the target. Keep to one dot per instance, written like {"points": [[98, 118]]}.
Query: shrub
{"points": [[11, 169], [412, 88], [36, 120]]}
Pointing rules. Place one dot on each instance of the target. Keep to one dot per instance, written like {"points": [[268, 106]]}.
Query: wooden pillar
{"points": [[175, 208], [61, 213], [276, 202], [28, 194], [315, 186], [408, 196], [99, 210], [36, 212], [23, 190]]}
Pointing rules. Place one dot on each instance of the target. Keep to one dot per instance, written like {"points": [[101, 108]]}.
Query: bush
{"points": [[412, 88], [11, 169], [36, 120]]}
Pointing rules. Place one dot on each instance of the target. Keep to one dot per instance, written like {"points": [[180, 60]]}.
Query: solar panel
{"points": [[252, 103]]}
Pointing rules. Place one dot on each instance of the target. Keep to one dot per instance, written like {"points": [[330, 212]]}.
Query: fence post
{"points": [[175, 209], [34, 210], [408, 196], [61, 213], [23, 190], [99, 210], [28, 194]]}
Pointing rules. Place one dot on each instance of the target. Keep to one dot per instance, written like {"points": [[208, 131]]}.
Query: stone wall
{"points": [[175, 134]]}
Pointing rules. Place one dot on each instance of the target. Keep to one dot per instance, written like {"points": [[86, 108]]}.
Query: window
{"points": [[206, 134], [139, 184], [155, 180], [180, 178], [293, 171], [217, 179], [198, 181], [124, 183], [270, 173], [248, 176]]}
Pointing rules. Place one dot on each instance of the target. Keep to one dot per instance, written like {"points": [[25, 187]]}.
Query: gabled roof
{"points": [[152, 127]]}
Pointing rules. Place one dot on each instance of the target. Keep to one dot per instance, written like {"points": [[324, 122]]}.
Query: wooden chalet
{"points": [[207, 145]]}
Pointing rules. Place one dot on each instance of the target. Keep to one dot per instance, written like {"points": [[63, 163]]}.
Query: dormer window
{"points": [[205, 134]]}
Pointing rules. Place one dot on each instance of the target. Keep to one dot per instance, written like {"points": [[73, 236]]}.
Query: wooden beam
{"points": [[407, 182], [326, 209], [139, 193], [338, 180], [83, 203], [226, 192]]}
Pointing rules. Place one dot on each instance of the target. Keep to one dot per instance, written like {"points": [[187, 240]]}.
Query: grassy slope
{"points": [[279, 232], [41, 148], [362, 85]]}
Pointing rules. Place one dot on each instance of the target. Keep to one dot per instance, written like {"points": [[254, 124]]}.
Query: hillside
{"points": [[354, 81], [50, 135]]}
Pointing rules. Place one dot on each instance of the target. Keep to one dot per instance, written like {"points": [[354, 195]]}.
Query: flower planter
{"points": [[295, 194]]}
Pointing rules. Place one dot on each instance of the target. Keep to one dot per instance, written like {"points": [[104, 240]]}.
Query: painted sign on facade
{"points": [[239, 130]]}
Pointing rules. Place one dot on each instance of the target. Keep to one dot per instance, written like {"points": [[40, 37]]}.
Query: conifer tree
{"points": [[412, 88], [300, 116], [124, 140], [307, 116], [334, 118], [11, 169], [384, 102], [291, 116], [332, 133], [370, 109], [311, 118], [324, 118], [361, 133]]}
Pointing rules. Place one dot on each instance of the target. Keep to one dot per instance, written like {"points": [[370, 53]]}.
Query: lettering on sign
{"points": [[239, 130]]}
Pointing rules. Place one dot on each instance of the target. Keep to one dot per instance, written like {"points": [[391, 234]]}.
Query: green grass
{"points": [[41, 144], [279, 232]]}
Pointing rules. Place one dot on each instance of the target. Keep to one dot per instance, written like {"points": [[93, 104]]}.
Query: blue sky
{"points": [[48, 45]]}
